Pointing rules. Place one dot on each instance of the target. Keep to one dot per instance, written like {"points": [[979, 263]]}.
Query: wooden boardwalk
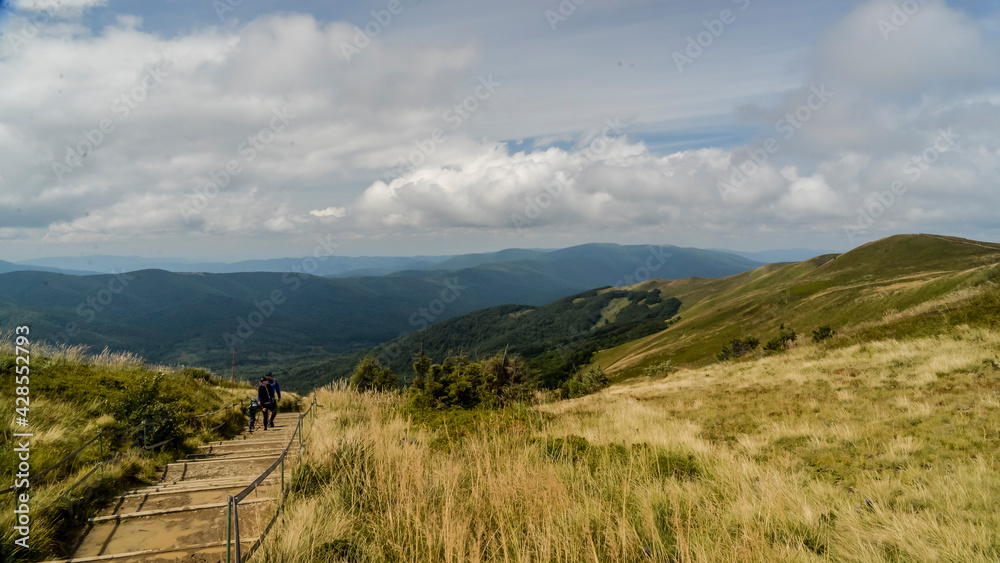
{"points": [[183, 517]]}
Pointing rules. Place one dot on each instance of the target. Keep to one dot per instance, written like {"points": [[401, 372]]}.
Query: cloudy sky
{"points": [[228, 129]]}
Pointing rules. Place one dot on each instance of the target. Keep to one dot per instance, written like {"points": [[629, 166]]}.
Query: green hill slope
{"points": [[900, 286]]}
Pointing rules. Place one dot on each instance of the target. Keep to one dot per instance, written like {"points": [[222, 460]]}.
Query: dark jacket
{"points": [[265, 395]]}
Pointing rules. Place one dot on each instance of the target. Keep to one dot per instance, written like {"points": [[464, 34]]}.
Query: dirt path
{"points": [[183, 517]]}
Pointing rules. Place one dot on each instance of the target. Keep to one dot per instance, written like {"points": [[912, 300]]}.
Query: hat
{"points": [[263, 379], [269, 374]]}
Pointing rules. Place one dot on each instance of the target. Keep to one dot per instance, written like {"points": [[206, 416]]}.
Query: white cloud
{"points": [[39, 5], [58, 8], [218, 90], [891, 99], [211, 94], [882, 47], [329, 212]]}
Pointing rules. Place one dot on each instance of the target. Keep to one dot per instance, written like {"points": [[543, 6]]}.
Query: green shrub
{"points": [[822, 333], [585, 383], [658, 369], [369, 375], [150, 414], [459, 382], [780, 343], [737, 348]]}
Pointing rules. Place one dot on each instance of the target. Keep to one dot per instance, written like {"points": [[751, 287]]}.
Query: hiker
{"points": [[276, 392], [265, 396], [251, 411]]}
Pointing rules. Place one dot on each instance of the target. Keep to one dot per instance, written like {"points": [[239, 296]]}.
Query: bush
{"points": [[369, 375], [737, 348], [780, 343], [822, 333], [458, 382], [151, 414], [659, 369], [585, 383]]}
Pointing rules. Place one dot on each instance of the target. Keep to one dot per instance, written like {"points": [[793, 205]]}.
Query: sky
{"points": [[228, 129]]}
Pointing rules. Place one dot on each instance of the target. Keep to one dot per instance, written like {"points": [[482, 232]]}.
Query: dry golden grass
{"points": [[879, 452]]}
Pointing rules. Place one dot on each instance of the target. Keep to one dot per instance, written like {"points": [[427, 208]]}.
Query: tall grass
{"points": [[879, 452], [73, 395]]}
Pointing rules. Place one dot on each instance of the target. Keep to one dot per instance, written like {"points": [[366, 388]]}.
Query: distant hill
{"points": [[347, 266], [596, 265], [470, 260], [6, 267], [181, 318], [783, 255], [331, 266]]}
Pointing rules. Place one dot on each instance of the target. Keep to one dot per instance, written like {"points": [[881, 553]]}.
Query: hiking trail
{"points": [[183, 517]]}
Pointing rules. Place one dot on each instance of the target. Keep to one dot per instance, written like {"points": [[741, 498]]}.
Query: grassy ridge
{"points": [[908, 285], [879, 452]]}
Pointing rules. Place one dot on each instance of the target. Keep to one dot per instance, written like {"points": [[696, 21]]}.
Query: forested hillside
{"points": [[554, 340]]}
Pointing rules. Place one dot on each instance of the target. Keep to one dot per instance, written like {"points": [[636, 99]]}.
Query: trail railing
{"points": [[233, 503]]}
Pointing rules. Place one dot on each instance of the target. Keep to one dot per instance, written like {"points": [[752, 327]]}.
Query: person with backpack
{"points": [[276, 393], [265, 396], [251, 411]]}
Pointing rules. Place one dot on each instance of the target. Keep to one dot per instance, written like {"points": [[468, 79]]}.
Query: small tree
{"points": [[369, 375], [505, 380]]}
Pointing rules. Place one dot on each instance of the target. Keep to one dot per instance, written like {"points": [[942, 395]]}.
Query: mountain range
{"points": [[277, 319], [339, 266], [548, 306]]}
